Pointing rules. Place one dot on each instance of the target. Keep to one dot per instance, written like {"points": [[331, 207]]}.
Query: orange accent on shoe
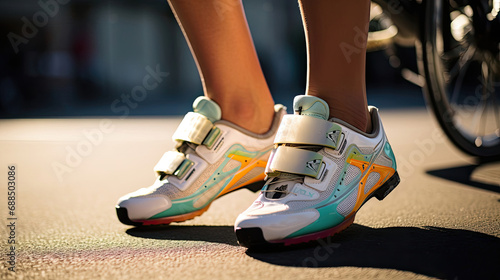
{"points": [[385, 173], [247, 164]]}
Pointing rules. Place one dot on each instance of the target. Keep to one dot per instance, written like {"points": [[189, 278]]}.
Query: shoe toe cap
{"points": [[277, 226], [141, 208]]}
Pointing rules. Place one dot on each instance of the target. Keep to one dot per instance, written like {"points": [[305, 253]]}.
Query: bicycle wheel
{"points": [[460, 52]]}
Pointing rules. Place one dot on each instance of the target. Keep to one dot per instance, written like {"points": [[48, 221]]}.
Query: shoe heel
{"points": [[387, 187]]}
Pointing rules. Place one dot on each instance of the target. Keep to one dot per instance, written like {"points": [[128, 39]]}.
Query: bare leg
{"points": [[219, 38], [336, 34]]}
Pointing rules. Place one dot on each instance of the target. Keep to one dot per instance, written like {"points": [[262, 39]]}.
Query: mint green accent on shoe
{"points": [[311, 106], [355, 153], [328, 218], [208, 108], [388, 151], [240, 151]]}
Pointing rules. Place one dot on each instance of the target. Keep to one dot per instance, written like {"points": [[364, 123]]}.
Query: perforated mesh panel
{"points": [[346, 206], [208, 194], [352, 173], [232, 164], [366, 150], [371, 181], [383, 160], [250, 175]]}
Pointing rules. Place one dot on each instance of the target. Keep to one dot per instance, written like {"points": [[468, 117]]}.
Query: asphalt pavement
{"points": [[442, 221]]}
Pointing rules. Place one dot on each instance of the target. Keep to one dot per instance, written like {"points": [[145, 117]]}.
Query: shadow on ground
{"points": [[431, 251], [215, 234], [465, 175]]}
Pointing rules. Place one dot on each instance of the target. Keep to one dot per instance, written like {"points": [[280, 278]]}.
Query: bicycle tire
{"points": [[438, 93]]}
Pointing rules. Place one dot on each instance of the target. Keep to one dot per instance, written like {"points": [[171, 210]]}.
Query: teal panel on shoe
{"points": [[388, 151], [328, 218], [177, 208]]}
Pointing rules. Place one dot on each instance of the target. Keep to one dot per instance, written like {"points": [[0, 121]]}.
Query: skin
{"points": [[218, 35]]}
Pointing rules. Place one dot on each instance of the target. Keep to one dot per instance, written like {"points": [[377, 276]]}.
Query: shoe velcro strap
{"points": [[212, 137], [173, 163], [307, 130], [196, 128], [294, 160]]}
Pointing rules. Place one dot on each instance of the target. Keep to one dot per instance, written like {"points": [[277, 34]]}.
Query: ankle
{"points": [[361, 121], [256, 117], [351, 108]]}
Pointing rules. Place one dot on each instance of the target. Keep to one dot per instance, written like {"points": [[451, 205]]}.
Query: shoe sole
{"points": [[122, 212], [253, 237]]}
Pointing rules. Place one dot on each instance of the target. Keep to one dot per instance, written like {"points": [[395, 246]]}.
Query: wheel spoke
{"points": [[453, 53], [463, 65], [477, 114], [488, 93], [464, 58], [480, 112]]}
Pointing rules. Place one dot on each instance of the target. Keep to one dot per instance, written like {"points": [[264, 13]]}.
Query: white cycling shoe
{"points": [[212, 157], [319, 175]]}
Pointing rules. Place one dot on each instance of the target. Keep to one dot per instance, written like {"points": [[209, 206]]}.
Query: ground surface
{"points": [[442, 221]]}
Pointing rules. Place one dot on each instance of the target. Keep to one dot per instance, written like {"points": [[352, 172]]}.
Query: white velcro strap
{"points": [[193, 128], [296, 161], [307, 130], [169, 162]]}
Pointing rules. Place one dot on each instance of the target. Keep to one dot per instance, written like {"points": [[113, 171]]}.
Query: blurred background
{"points": [[63, 58]]}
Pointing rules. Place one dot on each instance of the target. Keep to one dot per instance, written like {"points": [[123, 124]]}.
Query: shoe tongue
{"points": [[208, 108], [279, 190], [307, 105]]}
